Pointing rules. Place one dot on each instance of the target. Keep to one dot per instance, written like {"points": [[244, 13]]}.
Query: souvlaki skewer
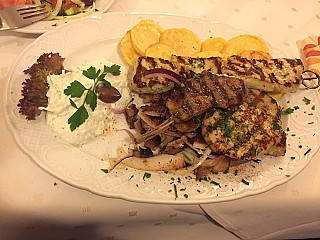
{"points": [[156, 75]]}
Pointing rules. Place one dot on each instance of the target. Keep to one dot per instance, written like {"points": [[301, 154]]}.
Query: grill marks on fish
{"points": [[188, 66], [247, 131], [280, 75], [276, 75], [141, 84]]}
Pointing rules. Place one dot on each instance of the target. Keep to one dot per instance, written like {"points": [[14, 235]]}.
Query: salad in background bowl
{"points": [[62, 11]]}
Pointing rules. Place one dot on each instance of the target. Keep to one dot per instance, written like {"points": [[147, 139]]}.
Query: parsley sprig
{"points": [[76, 90]]}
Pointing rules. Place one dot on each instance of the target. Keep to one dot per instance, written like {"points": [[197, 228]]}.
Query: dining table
{"points": [[35, 204]]}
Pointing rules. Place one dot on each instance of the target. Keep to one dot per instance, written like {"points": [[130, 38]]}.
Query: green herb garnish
{"points": [[146, 175], [104, 170], [77, 90], [175, 191], [289, 110], [309, 150], [245, 182], [306, 101]]}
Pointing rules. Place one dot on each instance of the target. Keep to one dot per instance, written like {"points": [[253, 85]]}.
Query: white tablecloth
{"points": [[33, 203]]}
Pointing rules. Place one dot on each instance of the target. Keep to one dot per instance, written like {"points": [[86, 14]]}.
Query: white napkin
{"points": [[310, 49], [289, 211]]}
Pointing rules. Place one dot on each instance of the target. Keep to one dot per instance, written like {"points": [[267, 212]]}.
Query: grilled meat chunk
{"points": [[210, 90], [247, 131], [130, 114], [276, 75], [198, 96]]}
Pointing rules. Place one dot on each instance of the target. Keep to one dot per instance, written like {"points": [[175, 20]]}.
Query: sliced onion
{"points": [[162, 72], [55, 11], [79, 3], [133, 139], [147, 120], [117, 111], [195, 165]]}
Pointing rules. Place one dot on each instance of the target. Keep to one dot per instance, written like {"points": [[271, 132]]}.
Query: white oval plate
{"points": [[44, 26], [88, 39]]}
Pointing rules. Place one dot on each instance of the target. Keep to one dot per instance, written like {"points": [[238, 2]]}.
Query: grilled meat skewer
{"points": [[198, 96], [275, 75]]}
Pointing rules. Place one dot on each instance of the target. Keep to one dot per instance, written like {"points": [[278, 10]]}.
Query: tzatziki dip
{"points": [[100, 121]]}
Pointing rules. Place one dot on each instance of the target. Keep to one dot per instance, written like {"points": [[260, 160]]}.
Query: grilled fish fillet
{"points": [[141, 84], [275, 76], [247, 131]]}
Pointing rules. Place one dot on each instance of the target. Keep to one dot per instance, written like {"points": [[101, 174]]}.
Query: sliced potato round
{"points": [[160, 50], [213, 44], [128, 52], [241, 43], [276, 96], [182, 40], [252, 54], [208, 54], [144, 34]]}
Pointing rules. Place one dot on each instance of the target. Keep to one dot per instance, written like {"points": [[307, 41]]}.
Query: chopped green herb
{"points": [[203, 179], [289, 110], [313, 107], [187, 157], [104, 170], [226, 170], [198, 118], [186, 195], [215, 183], [146, 175], [196, 76], [309, 150], [277, 126], [245, 182], [306, 101], [286, 75], [175, 191], [292, 158]]}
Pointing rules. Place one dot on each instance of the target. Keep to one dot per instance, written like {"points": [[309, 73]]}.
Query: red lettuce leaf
{"points": [[35, 88]]}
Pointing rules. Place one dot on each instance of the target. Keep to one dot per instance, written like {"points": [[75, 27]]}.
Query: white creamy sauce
{"points": [[100, 120]]}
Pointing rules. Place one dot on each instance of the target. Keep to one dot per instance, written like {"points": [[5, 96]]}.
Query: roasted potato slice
{"points": [[241, 43], [251, 54], [182, 40], [160, 50], [144, 34], [208, 54], [128, 52], [213, 44]]}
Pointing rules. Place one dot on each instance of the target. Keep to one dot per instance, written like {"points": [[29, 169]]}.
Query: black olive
{"points": [[107, 94]]}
